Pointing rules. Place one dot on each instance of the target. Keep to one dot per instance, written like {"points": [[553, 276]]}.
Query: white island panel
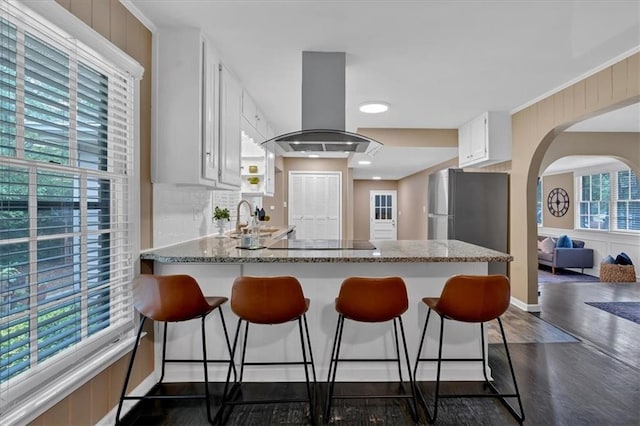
{"points": [[321, 282]]}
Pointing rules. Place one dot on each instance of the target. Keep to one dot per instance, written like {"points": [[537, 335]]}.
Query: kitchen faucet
{"points": [[238, 213]]}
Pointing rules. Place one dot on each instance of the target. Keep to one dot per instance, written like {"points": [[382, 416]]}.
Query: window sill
{"points": [[48, 396]]}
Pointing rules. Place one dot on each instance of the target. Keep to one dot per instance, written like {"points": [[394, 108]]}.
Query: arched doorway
{"points": [[534, 130], [601, 209]]}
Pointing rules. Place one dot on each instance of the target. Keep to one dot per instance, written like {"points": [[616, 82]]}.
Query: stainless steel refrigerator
{"points": [[471, 207]]}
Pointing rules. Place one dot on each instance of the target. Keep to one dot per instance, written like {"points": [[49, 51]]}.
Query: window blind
{"points": [[595, 199], [66, 167], [627, 201]]}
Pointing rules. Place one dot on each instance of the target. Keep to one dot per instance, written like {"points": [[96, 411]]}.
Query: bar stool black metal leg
{"points": [[244, 350], [415, 369], [306, 373], [226, 339], [206, 371], [333, 363], [518, 416], [395, 335], [485, 363], [164, 352], [414, 413], [313, 368], [437, 394], [128, 375], [231, 363]]}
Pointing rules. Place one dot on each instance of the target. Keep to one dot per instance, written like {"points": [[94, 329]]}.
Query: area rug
{"points": [[626, 310], [563, 276]]}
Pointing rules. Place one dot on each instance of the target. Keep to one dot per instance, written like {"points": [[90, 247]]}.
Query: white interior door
{"points": [[382, 214], [315, 206]]}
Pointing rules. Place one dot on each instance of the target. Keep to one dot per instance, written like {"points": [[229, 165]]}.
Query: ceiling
{"points": [[438, 64]]}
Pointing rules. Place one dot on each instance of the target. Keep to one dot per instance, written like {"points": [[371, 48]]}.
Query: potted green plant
{"points": [[221, 216], [253, 181]]}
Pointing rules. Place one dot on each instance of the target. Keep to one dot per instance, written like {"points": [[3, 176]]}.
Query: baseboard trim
{"points": [[524, 306], [142, 389]]}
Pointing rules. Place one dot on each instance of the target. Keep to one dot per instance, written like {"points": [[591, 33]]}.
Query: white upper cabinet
{"points": [[197, 107], [230, 110], [249, 109], [254, 116], [485, 140], [270, 178]]}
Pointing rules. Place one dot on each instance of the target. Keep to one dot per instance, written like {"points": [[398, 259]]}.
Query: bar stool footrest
{"points": [[371, 396]]}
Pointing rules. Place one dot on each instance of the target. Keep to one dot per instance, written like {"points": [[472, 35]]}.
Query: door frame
{"points": [[394, 194]]}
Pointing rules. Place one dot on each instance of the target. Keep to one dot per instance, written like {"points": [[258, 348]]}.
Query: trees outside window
{"points": [[595, 196], [66, 161]]}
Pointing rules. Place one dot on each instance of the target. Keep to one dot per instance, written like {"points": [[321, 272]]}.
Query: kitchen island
{"points": [[424, 265]]}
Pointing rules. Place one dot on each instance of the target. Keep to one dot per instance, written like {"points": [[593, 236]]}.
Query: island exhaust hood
{"points": [[323, 110]]}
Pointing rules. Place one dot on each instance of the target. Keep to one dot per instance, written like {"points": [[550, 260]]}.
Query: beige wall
{"points": [[413, 203], [361, 204], [276, 215], [95, 399], [534, 129], [564, 181], [412, 190], [623, 146], [413, 137], [412, 206]]}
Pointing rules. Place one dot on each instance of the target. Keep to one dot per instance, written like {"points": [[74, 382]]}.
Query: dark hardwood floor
{"points": [[575, 365]]}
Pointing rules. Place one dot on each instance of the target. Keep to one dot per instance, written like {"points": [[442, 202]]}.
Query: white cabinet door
{"points": [[249, 109], [479, 149], [230, 136], [254, 117], [315, 204], [262, 126], [210, 115], [485, 140], [270, 173], [464, 144], [472, 141], [178, 113]]}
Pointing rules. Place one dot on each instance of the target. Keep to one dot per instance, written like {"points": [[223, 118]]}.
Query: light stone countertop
{"points": [[224, 250]]}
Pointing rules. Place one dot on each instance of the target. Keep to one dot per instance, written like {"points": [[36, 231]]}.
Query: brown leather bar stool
{"points": [[371, 300], [173, 298], [271, 300], [471, 299]]}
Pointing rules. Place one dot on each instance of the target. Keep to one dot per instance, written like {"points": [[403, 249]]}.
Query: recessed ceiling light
{"points": [[314, 156], [374, 107], [364, 162], [376, 178]]}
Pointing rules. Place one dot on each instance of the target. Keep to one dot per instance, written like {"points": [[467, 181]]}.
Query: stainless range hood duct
{"points": [[323, 110]]}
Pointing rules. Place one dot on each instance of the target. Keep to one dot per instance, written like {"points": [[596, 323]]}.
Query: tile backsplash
{"points": [[184, 213]]}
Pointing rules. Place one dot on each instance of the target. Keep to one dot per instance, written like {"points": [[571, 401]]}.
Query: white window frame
{"points": [[540, 203], [578, 197], [24, 401], [615, 200], [612, 169]]}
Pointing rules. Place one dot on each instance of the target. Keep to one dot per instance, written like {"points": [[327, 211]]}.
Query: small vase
{"points": [[221, 224]]}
